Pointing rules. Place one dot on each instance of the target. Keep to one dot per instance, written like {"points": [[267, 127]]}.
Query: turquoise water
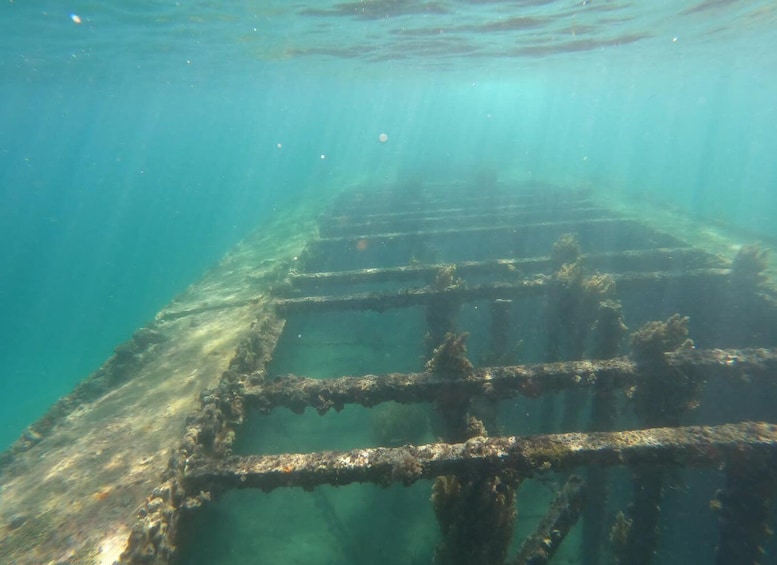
{"points": [[139, 142]]}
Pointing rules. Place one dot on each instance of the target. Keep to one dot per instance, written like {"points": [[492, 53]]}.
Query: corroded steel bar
{"points": [[508, 215], [535, 285], [298, 393], [337, 220], [509, 231], [631, 260], [693, 446], [396, 204], [381, 301], [417, 272], [714, 363], [562, 514]]}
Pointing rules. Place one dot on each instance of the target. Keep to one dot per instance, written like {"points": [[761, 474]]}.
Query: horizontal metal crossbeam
{"points": [[534, 286], [630, 260], [693, 446], [298, 393], [521, 230], [562, 514], [397, 203], [500, 216]]}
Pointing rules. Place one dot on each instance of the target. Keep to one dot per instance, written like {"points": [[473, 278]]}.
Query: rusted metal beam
{"points": [[693, 446], [397, 203], [381, 301], [298, 393], [631, 260], [499, 215], [562, 514], [480, 210], [416, 272], [522, 230], [533, 286]]}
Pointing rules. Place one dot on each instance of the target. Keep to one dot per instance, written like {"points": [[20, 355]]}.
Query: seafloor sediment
{"points": [[71, 486]]}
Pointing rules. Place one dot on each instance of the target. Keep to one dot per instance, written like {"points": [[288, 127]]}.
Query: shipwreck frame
{"points": [[438, 248]]}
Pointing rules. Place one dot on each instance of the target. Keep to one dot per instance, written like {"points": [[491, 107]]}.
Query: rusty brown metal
{"points": [[519, 230], [532, 286], [375, 203], [509, 215], [629, 260], [692, 446], [298, 393], [563, 513]]}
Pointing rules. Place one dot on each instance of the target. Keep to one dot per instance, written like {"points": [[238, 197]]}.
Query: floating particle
{"points": [[279, 145], [76, 18], [383, 138], [323, 156]]}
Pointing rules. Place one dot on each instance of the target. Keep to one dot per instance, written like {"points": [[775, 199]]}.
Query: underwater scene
{"points": [[452, 282]]}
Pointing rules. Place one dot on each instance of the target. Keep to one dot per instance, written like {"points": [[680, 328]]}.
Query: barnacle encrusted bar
{"points": [[533, 286], [691, 446], [563, 513], [616, 261], [297, 393], [458, 219], [509, 230]]}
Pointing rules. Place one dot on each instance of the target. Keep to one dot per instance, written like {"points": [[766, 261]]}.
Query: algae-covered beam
{"points": [[374, 206], [298, 393], [381, 301], [531, 286], [522, 230], [615, 261], [692, 446], [750, 363], [563, 513], [417, 272], [342, 226]]}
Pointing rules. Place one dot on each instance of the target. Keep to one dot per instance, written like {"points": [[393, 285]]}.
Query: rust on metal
{"points": [[461, 219], [692, 446], [658, 259], [374, 203], [520, 230], [563, 513], [298, 393], [532, 286], [215, 348]]}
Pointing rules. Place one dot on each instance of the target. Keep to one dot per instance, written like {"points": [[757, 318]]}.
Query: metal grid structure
{"points": [[587, 271]]}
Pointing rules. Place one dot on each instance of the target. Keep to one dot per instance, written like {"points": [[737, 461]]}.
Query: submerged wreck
{"points": [[509, 374]]}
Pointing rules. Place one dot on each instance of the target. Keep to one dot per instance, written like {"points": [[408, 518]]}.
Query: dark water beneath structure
{"points": [[140, 143]]}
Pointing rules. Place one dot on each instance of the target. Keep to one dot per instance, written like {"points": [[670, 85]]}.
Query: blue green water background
{"points": [[139, 145]]}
